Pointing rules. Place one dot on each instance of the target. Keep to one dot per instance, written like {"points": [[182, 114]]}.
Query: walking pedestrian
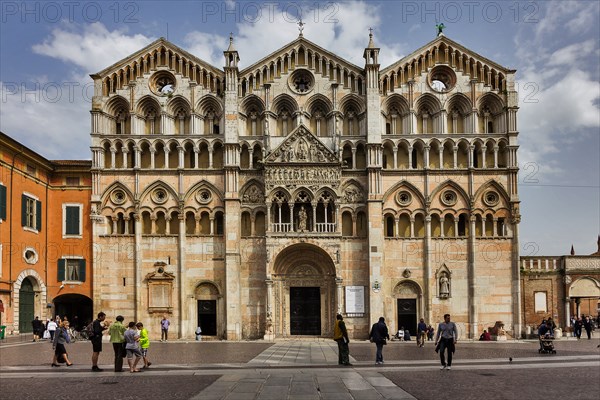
{"points": [[421, 333], [340, 335], [379, 335], [132, 347], [117, 338], [61, 338], [446, 339], [578, 327], [587, 324], [164, 328], [144, 343], [198, 333], [96, 339], [38, 329], [51, 328]]}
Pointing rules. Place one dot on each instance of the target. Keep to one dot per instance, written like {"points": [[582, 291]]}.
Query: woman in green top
{"points": [[144, 343]]}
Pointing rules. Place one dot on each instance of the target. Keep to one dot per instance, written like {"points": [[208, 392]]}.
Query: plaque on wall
{"points": [[355, 299]]}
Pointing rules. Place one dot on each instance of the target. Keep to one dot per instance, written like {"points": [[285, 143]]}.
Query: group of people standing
{"points": [[129, 341], [445, 340], [580, 323]]}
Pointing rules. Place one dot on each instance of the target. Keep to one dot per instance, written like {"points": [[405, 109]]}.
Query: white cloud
{"points": [[343, 31], [90, 47], [573, 53], [56, 112]]}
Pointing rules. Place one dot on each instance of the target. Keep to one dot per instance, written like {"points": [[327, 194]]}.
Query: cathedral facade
{"points": [[260, 202]]}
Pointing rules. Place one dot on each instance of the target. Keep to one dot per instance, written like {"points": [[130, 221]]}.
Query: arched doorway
{"points": [[304, 295], [208, 306], [585, 296], [76, 307], [408, 296], [26, 305]]}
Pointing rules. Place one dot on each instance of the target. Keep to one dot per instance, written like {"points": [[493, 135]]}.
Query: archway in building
{"points": [[585, 296], [304, 296], [76, 307], [26, 305], [408, 296], [208, 306]]}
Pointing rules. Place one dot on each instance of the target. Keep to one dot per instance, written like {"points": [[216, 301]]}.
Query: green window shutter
{"points": [[82, 270], [72, 223], [61, 269], [38, 215], [23, 210], [3, 202]]}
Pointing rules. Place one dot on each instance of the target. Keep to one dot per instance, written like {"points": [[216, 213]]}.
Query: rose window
{"points": [[491, 198], [203, 196], [449, 197], [301, 81], [118, 196], [159, 196], [404, 198]]}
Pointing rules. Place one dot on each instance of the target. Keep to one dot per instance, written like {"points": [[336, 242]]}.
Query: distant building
{"points": [[560, 287], [263, 201], [45, 237]]}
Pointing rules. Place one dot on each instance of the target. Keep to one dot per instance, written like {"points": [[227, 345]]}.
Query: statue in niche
{"points": [[302, 217], [444, 285], [312, 153], [302, 151]]}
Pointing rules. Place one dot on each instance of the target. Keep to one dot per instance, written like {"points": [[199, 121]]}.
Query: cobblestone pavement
{"points": [[307, 369]]}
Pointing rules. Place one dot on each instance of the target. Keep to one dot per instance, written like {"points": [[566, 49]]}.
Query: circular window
{"points": [[442, 79], [30, 256], [118, 196], [404, 198], [301, 81], [491, 198], [203, 196], [159, 196], [163, 83], [449, 197]]}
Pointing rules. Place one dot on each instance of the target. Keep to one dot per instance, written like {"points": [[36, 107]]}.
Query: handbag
{"points": [[46, 334]]}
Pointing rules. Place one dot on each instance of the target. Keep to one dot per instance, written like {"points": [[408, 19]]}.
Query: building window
{"points": [[72, 181], [31, 213], [72, 219], [540, 302], [71, 270], [2, 202]]}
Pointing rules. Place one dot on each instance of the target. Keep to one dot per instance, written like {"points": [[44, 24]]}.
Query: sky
{"points": [[49, 48]]}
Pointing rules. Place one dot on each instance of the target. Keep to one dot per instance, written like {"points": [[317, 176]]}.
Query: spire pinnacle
{"points": [[301, 27], [231, 48], [371, 42]]}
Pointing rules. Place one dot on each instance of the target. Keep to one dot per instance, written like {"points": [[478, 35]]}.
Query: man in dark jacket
{"points": [[379, 334], [38, 329]]}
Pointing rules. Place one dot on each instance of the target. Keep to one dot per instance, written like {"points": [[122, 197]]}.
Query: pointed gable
{"points": [[293, 49], [445, 51], [301, 146], [159, 47]]}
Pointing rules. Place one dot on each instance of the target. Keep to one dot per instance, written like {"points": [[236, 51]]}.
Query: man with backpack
{"points": [[96, 339]]}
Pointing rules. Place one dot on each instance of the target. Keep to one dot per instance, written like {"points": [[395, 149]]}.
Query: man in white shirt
{"points": [[446, 338]]}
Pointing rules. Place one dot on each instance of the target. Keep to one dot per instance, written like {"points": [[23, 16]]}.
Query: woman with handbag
{"points": [[61, 337]]}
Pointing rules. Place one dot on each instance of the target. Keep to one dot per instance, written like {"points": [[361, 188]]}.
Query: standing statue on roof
{"points": [[440, 28]]}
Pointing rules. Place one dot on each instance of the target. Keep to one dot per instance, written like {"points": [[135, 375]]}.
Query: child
{"points": [[144, 343]]}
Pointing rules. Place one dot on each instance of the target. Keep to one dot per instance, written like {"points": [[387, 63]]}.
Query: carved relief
{"points": [[302, 176], [353, 194], [302, 146], [253, 195]]}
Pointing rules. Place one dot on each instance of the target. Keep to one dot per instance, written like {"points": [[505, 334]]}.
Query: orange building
{"points": [[45, 238]]}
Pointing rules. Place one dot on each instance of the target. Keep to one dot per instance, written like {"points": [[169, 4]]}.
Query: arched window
{"points": [[347, 223], [389, 226], [246, 225]]}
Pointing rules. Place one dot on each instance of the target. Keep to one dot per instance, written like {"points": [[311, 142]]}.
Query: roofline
{"points": [[300, 39], [454, 44], [53, 166], [159, 41]]}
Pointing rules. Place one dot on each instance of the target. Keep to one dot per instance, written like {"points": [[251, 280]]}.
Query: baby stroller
{"points": [[547, 344]]}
